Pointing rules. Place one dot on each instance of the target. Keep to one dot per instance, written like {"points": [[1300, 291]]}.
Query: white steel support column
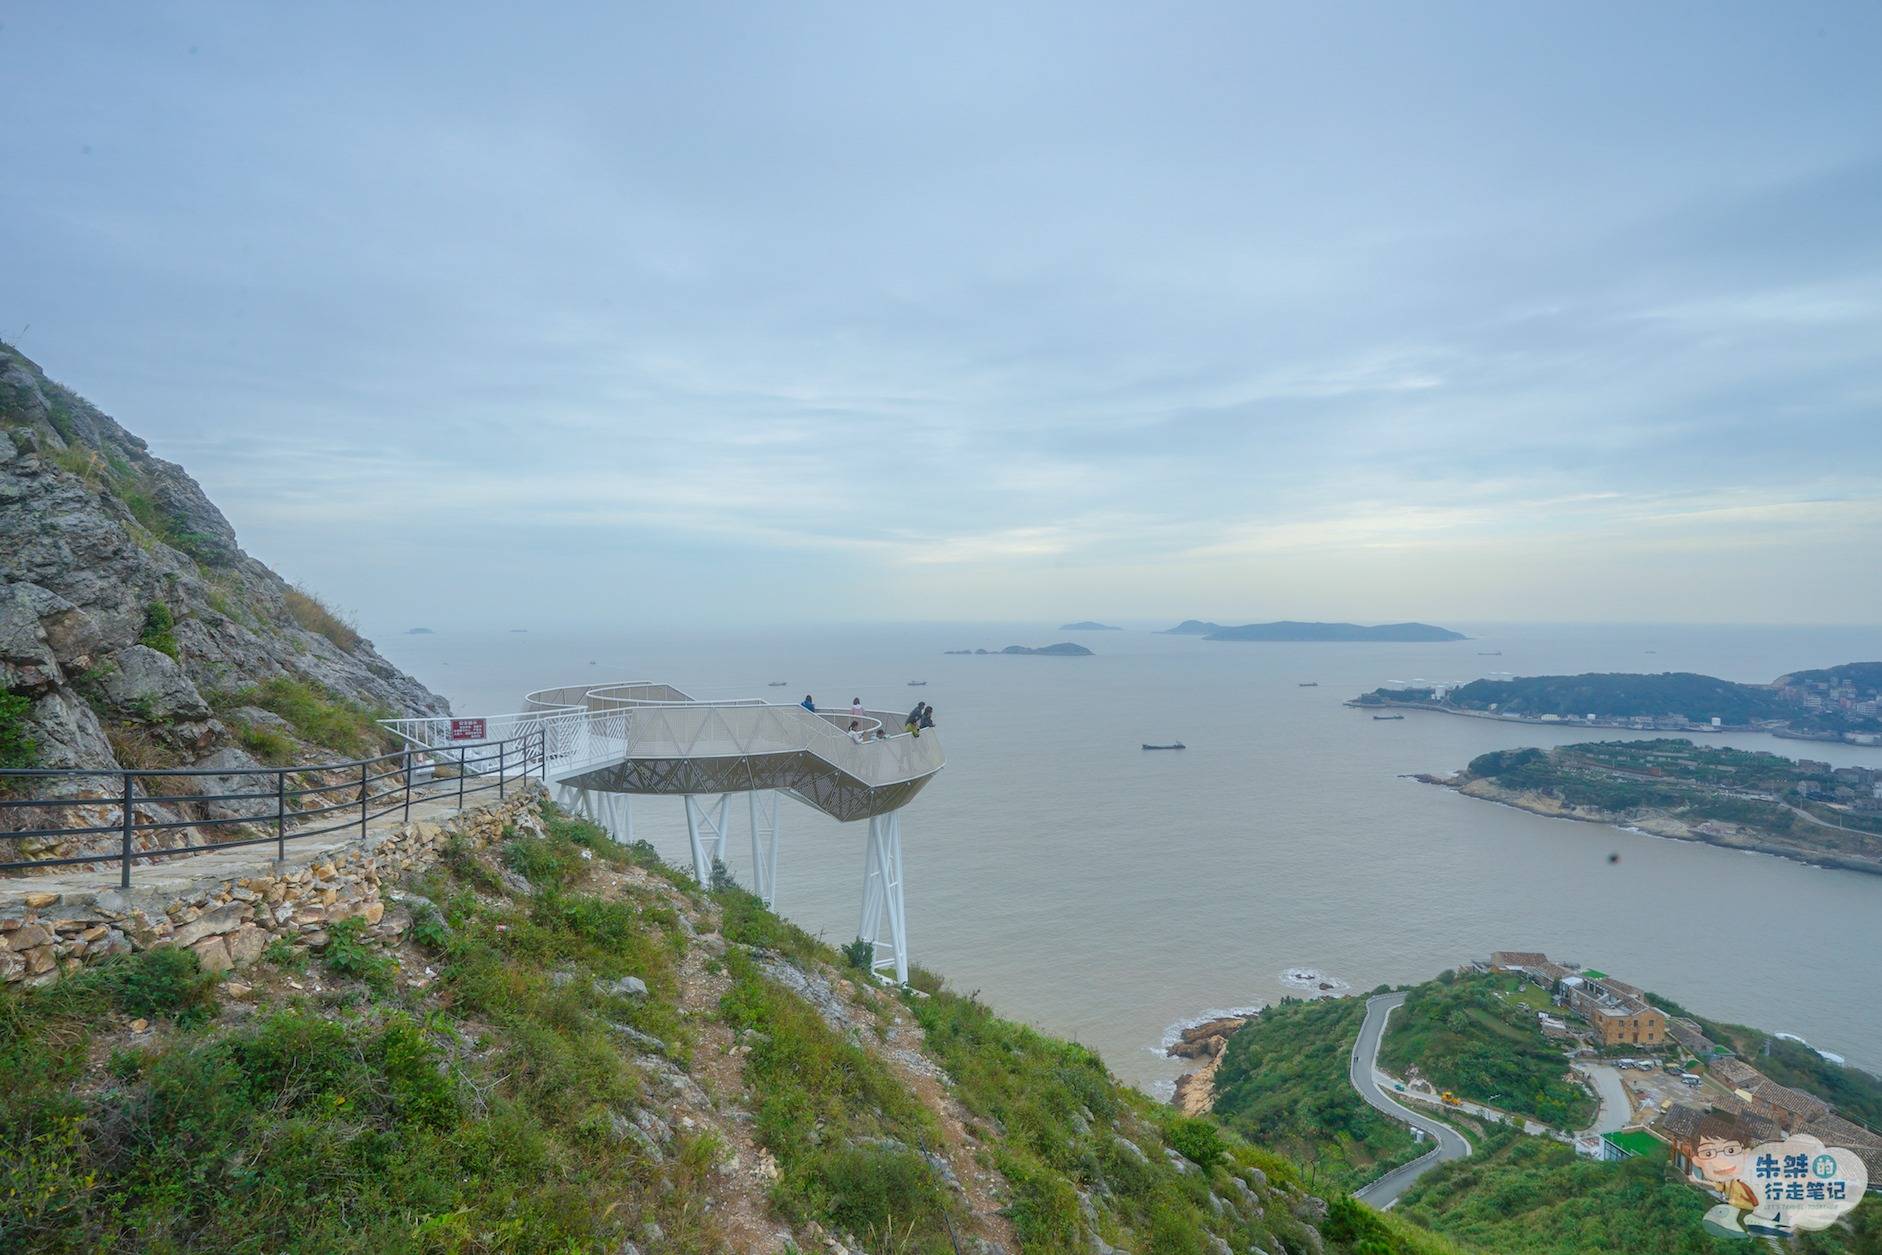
{"points": [[705, 829], [766, 814], [882, 896]]}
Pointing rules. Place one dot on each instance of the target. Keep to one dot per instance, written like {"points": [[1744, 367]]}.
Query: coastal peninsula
{"points": [[1797, 809], [1833, 704], [1089, 625]]}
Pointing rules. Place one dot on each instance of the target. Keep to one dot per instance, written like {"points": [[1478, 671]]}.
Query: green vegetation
{"points": [[1463, 1036], [17, 747], [472, 1117], [158, 632], [1283, 1084], [269, 745], [844, 1130], [311, 614], [1522, 1195], [497, 1106], [1697, 784], [1612, 696], [1531, 1196], [1069, 1128], [317, 715]]}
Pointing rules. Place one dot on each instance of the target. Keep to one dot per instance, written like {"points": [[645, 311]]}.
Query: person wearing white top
{"points": [[856, 708]]}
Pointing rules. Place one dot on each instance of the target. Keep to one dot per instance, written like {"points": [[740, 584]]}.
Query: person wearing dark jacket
{"points": [[912, 724], [808, 704], [927, 715]]}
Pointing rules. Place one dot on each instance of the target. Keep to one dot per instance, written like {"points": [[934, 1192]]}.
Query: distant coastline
{"points": [[1295, 630], [1064, 649], [1089, 625], [1837, 704], [1735, 799]]}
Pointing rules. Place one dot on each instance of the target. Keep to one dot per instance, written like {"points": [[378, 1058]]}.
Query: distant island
{"points": [[418, 631], [1804, 809], [1292, 630], [1832, 704], [1064, 649], [1088, 625], [1191, 627]]}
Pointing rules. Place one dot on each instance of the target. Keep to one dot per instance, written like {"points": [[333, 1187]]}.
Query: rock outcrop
{"points": [[130, 619]]}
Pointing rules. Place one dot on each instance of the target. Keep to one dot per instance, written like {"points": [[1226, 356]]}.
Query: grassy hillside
{"points": [[1530, 1196], [1283, 1084], [567, 1047], [1461, 1036]]}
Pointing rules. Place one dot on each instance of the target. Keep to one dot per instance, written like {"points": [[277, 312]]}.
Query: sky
{"points": [[669, 314]]}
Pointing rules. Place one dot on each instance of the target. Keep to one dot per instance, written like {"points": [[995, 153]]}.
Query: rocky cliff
{"points": [[133, 629]]}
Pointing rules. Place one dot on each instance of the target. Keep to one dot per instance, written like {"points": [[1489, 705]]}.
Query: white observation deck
{"points": [[603, 744]]}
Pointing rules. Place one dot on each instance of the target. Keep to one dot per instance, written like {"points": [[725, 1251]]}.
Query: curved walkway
{"points": [[1364, 1072]]}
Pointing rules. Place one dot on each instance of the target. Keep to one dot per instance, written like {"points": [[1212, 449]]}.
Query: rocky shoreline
{"points": [[1655, 823], [1206, 1042]]}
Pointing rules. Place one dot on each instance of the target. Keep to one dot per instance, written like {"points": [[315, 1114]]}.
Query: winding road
{"points": [[1363, 1070]]}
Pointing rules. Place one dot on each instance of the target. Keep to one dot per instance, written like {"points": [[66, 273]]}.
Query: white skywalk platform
{"points": [[601, 745]]}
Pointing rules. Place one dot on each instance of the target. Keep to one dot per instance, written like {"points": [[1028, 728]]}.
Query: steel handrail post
{"points": [[460, 777], [281, 815], [362, 799], [503, 748], [408, 785], [124, 867]]}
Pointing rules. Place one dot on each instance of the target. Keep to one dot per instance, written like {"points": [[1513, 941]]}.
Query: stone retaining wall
{"points": [[226, 920]]}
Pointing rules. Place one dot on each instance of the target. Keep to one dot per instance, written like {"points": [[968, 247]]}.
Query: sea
{"points": [[1111, 895]]}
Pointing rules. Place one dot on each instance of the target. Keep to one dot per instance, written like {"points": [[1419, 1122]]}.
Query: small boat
{"points": [[1489, 653], [1384, 718], [918, 684], [1308, 684], [1174, 745], [775, 684]]}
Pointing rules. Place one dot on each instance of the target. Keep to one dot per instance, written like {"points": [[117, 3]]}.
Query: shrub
{"points": [[317, 714], [80, 461], [169, 983], [159, 621], [270, 745], [1198, 1141], [17, 747], [348, 954], [860, 954], [308, 611]]}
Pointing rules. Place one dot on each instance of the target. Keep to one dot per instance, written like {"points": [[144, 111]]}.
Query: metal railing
{"points": [[290, 806]]}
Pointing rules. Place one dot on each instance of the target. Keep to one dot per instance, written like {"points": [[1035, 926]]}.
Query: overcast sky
{"points": [[804, 312]]}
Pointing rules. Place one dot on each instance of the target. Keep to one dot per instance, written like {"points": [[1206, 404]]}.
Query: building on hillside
{"points": [[1516, 960], [1616, 1011], [1689, 1035], [1791, 1108]]}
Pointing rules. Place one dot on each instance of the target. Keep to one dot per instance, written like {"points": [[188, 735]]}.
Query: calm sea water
{"points": [[1105, 894]]}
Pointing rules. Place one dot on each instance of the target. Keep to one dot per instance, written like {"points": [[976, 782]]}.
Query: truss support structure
{"points": [[706, 830], [766, 816], [882, 897]]}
